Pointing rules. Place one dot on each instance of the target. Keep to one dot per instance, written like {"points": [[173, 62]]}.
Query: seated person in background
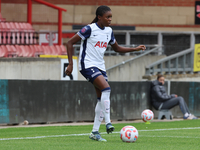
{"points": [[161, 100]]}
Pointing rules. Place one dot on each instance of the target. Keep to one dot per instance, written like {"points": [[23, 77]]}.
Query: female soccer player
{"points": [[94, 40], [161, 100]]}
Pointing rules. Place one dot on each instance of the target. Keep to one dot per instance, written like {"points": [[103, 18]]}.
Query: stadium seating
{"points": [[64, 51], [38, 50], [31, 50], [3, 33], [17, 33], [11, 50], [3, 52], [19, 40]]}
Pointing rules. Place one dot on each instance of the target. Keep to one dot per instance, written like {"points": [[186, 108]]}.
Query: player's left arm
{"points": [[121, 49]]}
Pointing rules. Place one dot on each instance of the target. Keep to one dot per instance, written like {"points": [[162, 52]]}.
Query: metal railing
{"points": [[179, 63], [110, 52], [136, 57]]}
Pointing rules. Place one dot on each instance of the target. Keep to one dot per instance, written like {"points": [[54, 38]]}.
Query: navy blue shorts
{"points": [[92, 73]]}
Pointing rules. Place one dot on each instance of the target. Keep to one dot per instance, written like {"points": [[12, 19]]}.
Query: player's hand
{"points": [[140, 47], [176, 96], [69, 70]]}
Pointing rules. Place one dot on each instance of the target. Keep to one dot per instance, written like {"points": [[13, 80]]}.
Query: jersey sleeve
{"points": [[85, 32], [112, 40]]}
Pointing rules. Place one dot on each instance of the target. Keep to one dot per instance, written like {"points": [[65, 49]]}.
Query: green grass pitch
{"points": [[175, 135]]}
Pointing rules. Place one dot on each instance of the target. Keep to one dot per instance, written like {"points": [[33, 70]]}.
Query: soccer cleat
{"points": [[96, 136], [109, 128]]}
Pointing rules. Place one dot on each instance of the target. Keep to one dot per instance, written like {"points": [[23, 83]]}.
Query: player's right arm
{"points": [[83, 34], [70, 44]]}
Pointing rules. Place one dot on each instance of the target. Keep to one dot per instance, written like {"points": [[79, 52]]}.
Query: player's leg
{"points": [[98, 119], [98, 112], [101, 84], [91, 74]]}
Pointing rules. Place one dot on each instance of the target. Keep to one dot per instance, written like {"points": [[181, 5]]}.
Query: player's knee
{"points": [[108, 89]]}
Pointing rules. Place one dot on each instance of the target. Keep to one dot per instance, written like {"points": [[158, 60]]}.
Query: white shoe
{"points": [[191, 117]]}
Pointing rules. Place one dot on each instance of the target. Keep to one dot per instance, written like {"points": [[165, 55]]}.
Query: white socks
{"points": [[102, 109], [105, 104], [98, 116]]}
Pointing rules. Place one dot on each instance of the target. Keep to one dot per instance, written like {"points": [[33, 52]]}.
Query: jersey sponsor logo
{"points": [[101, 44]]}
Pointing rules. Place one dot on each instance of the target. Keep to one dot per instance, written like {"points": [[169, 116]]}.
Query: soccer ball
{"points": [[129, 134], [147, 115]]}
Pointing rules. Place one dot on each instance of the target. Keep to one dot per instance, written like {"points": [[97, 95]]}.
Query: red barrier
{"points": [[29, 16]]}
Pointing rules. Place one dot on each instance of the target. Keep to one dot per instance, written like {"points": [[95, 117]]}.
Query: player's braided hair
{"points": [[100, 11]]}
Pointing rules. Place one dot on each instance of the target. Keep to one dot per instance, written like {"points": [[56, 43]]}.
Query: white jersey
{"points": [[93, 46]]}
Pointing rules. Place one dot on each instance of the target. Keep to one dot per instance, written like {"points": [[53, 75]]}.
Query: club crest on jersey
{"points": [[101, 44]]}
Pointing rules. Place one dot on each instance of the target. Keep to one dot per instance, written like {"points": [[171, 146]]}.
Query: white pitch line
{"points": [[189, 137], [83, 134], [158, 136], [189, 128], [39, 137]]}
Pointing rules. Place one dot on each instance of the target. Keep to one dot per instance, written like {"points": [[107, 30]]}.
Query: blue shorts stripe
{"points": [[96, 73], [92, 73]]}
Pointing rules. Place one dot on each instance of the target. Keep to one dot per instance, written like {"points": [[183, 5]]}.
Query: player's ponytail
{"points": [[100, 11], [95, 20]]}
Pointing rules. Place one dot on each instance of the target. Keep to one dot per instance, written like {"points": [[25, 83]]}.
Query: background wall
{"points": [[62, 101], [30, 68], [146, 15], [50, 68], [132, 71]]}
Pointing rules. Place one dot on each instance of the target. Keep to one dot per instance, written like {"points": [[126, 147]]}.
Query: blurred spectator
{"points": [[161, 100]]}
